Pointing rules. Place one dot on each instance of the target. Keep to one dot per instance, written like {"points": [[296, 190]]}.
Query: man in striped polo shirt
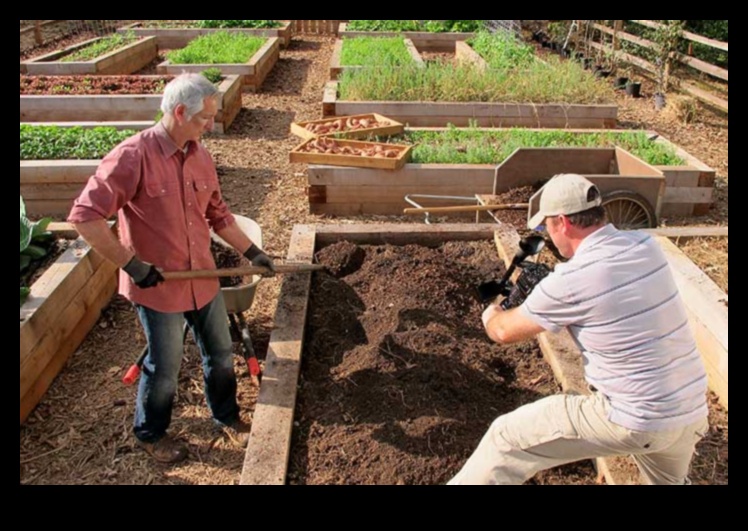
{"points": [[619, 301]]}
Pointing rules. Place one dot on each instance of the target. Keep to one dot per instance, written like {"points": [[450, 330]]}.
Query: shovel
{"points": [[529, 246], [241, 271]]}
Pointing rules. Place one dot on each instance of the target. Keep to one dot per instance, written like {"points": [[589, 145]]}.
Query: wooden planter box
{"points": [[170, 38], [345, 191], [125, 60], [49, 187], [353, 191], [483, 114], [336, 68], [360, 161], [266, 457], [431, 42], [64, 304], [121, 107], [252, 73], [394, 128]]}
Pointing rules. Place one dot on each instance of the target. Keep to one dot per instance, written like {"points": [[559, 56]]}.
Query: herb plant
{"points": [[218, 48], [375, 51], [51, 142]]}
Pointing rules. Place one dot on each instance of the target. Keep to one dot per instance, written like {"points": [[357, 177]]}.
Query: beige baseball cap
{"points": [[565, 193]]}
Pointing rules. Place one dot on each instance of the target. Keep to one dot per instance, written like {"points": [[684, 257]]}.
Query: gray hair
{"points": [[190, 90]]}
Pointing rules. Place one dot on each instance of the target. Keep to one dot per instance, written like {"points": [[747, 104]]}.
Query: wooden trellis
{"points": [[322, 27]]}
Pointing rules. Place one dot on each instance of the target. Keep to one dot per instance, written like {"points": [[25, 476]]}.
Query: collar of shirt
{"points": [[167, 144], [597, 236]]}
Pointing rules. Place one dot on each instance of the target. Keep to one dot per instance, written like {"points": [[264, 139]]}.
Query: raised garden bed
{"points": [[338, 191], [55, 167], [252, 73], [423, 40], [81, 102], [483, 114], [64, 304], [125, 60], [391, 390], [336, 67], [688, 187], [170, 38]]}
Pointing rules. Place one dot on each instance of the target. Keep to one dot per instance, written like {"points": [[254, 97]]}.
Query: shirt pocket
{"points": [[204, 190], [161, 189]]}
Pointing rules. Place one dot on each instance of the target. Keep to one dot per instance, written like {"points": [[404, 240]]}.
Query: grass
{"points": [[431, 26], [555, 82], [375, 51], [218, 48], [502, 50], [101, 47], [476, 146]]}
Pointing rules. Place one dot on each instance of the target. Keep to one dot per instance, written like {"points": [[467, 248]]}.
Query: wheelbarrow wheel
{"points": [[629, 210]]}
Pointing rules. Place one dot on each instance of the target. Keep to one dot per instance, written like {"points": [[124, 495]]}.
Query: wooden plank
{"points": [[417, 175], [403, 234], [336, 67], [57, 171], [413, 52], [688, 35], [565, 359], [396, 194], [51, 192], [117, 107], [464, 53], [329, 100], [65, 349], [688, 195], [170, 38], [703, 66], [391, 128], [485, 109], [685, 233], [708, 314], [63, 229], [66, 320], [266, 457]]}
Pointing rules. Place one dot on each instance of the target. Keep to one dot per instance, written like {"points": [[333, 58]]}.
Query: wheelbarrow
{"points": [[238, 299]]}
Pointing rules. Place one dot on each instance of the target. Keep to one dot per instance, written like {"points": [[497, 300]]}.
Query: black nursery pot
{"points": [[587, 63], [633, 89], [621, 82], [602, 73]]}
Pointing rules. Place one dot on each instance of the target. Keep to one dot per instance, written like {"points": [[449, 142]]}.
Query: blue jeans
{"points": [[158, 380]]}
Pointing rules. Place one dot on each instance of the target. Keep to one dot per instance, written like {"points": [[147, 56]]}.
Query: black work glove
{"points": [[144, 275], [259, 259]]}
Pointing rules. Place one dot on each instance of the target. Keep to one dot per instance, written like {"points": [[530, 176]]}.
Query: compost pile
{"points": [[399, 380]]}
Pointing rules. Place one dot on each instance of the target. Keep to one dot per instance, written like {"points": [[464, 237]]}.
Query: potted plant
{"points": [[633, 88], [665, 39]]}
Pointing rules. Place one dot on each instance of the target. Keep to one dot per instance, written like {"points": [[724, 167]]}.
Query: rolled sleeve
{"points": [[218, 215], [110, 188]]}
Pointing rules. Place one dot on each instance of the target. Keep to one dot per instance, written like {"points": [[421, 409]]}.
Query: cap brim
{"points": [[534, 216]]}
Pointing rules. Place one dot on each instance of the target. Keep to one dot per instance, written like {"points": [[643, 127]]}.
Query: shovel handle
{"points": [[240, 271], [466, 208]]}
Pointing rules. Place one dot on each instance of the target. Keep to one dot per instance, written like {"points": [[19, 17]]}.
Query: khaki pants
{"points": [[564, 428]]}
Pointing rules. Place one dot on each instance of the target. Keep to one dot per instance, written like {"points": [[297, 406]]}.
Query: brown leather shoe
{"points": [[238, 432], [165, 450]]}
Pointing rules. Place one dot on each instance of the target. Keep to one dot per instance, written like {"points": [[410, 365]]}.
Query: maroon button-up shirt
{"points": [[166, 201]]}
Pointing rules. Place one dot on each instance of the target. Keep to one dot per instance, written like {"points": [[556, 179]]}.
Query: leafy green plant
{"points": [[480, 146], [51, 142], [502, 49], [553, 82], [218, 48], [237, 24], [214, 75], [432, 26], [102, 46], [666, 38], [34, 237], [375, 51]]}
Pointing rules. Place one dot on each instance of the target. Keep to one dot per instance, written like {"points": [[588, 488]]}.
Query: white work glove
{"points": [[490, 312]]}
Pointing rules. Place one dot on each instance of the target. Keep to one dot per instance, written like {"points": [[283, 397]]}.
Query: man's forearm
{"points": [[99, 236], [235, 237]]}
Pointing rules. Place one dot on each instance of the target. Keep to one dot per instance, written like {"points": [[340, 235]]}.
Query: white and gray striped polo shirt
{"points": [[620, 303]]}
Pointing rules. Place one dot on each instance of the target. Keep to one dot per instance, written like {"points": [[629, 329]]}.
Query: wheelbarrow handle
{"points": [[240, 271], [466, 208]]}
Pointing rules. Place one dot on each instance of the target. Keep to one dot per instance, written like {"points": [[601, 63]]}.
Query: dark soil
{"points": [[227, 258], [93, 84], [37, 267], [399, 380]]}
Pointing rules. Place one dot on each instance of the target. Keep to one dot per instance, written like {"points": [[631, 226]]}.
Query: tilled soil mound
{"points": [[399, 380]]}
